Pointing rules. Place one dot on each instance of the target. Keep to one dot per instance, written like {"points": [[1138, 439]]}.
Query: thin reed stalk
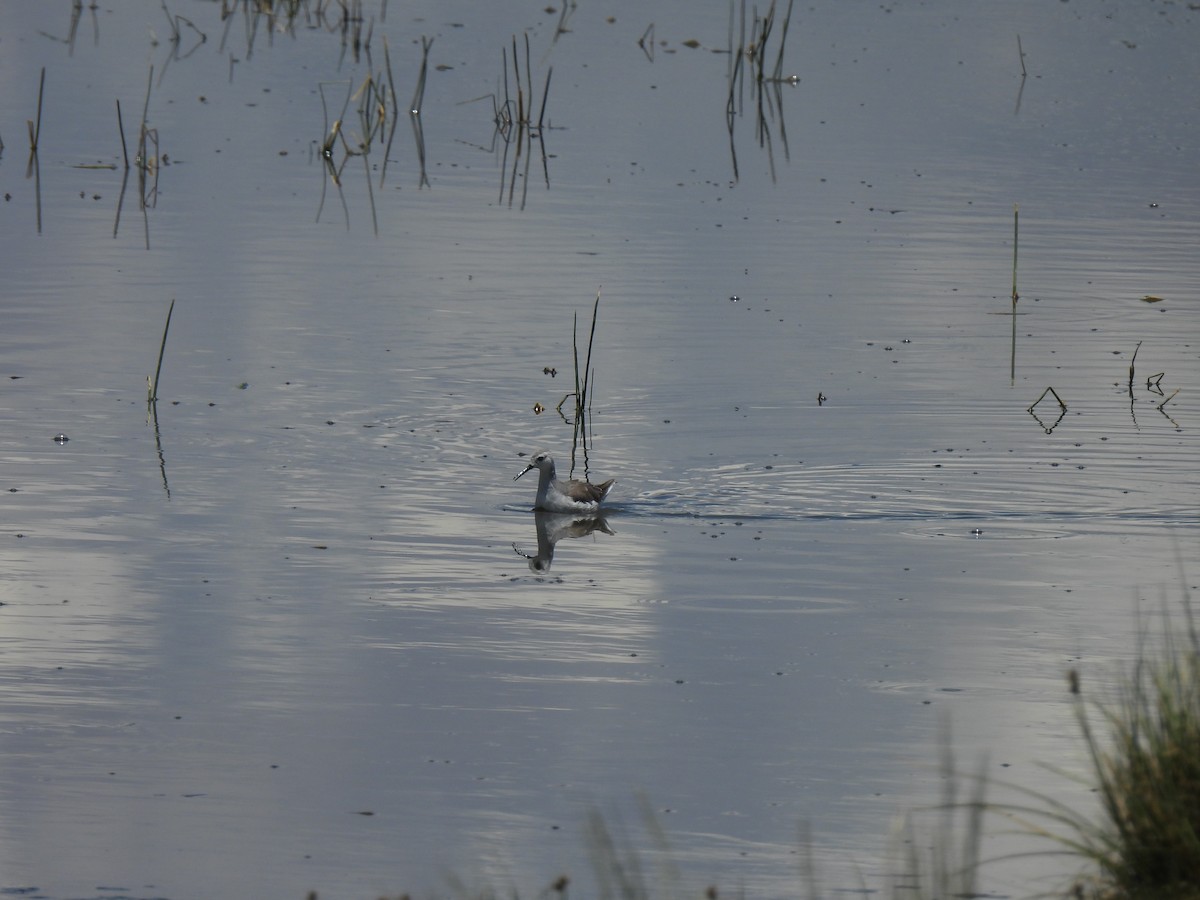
{"points": [[581, 386], [35, 128], [1015, 295], [121, 129], [419, 93], [152, 387], [1132, 360]]}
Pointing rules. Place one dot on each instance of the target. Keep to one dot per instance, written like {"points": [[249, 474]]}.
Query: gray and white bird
{"points": [[564, 496]]}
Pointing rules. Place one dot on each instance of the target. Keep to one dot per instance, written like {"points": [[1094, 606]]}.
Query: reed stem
{"points": [[162, 349], [1015, 295]]}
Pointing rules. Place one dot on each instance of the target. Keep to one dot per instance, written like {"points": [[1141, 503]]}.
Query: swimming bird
{"points": [[564, 496]]}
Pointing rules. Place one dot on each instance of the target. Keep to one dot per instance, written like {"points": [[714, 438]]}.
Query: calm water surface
{"points": [[288, 638]]}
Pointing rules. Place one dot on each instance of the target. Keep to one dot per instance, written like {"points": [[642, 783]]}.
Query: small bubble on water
{"points": [[734, 299], [61, 438]]}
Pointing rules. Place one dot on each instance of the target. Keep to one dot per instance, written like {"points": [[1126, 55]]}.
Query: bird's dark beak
{"points": [[523, 471]]}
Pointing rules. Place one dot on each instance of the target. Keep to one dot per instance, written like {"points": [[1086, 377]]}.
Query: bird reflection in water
{"points": [[552, 528]]}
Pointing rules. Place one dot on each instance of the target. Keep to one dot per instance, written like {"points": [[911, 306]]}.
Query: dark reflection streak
{"points": [[1012, 354], [76, 15], [147, 162], [228, 17], [326, 151], [733, 149], [568, 10], [387, 150], [72, 28], [419, 140], [764, 130], [120, 201], [545, 164], [503, 167], [514, 124], [767, 97], [34, 169], [370, 191], [1166, 415], [162, 460], [512, 181], [528, 163], [146, 224], [731, 108], [252, 35], [1132, 367], [1050, 428], [777, 88], [335, 177], [162, 74]]}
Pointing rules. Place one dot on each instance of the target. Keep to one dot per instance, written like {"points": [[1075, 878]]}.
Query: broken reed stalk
{"points": [[35, 129], [152, 388], [1015, 295], [121, 129], [1168, 399], [1048, 390], [1021, 55], [1132, 360]]}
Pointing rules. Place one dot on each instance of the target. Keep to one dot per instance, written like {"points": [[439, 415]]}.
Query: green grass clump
{"points": [[1148, 778], [1144, 751]]}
